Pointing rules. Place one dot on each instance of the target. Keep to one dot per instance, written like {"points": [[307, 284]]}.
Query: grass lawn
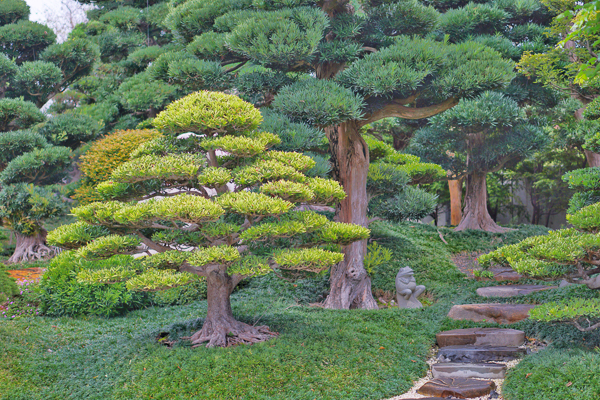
{"points": [[320, 354]]}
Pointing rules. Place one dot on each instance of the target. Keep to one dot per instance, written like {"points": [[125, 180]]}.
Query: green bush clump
{"points": [[555, 374], [61, 294]]}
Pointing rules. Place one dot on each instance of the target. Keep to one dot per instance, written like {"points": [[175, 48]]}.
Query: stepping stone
{"points": [[479, 354], [431, 398], [481, 337], [500, 313], [512, 290], [458, 387], [467, 370], [501, 275]]}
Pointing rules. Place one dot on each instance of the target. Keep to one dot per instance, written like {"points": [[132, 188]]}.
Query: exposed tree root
{"points": [[32, 248], [229, 332]]}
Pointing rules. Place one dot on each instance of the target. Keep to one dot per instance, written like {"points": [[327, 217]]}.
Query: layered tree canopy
{"points": [[209, 198]]}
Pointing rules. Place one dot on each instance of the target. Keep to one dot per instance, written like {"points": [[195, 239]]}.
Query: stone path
{"points": [[472, 363]]}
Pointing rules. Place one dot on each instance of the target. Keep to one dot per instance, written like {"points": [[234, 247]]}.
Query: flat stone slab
{"points": [[479, 354], [500, 313], [512, 290], [458, 387], [430, 398], [469, 370], [502, 275], [481, 337]]}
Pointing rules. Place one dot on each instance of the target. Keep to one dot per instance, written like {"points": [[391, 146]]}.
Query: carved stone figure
{"points": [[407, 290]]}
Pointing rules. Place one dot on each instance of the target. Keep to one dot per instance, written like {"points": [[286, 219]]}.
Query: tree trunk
{"points": [[220, 329], [350, 283], [476, 215], [31, 248], [455, 186], [593, 159]]}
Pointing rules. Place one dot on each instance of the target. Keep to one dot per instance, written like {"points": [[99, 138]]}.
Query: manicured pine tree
{"points": [[217, 203], [475, 138]]}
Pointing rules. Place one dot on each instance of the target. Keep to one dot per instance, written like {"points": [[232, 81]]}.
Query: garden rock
{"points": [[468, 370], [481, 337], [501, 275], [500, 313], [458, 387], [512, 290], [478, 354]]}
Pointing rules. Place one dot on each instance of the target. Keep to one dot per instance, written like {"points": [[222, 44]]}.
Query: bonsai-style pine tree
{"points": [[209, 198], [572, 254], [475, 138]]}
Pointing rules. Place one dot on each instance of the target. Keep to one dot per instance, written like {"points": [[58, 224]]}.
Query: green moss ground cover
{"points": [[320, 354]]}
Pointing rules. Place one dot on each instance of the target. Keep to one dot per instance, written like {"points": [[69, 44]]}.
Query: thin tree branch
{"points": [[395, 109]]}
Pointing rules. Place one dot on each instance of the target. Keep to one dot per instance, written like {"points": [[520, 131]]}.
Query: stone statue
{"points": [[407, 290]]}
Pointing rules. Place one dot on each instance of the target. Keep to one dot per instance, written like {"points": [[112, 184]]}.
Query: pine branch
{"points": [[396, 109], [588, 329]]}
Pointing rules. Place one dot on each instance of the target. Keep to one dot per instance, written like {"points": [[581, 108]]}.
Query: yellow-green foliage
{"points": [[214, 255], [313, 260], [209, 113], [587, 219], [173, 167], [108, 275], [266, 170], [254, 204], [291, 224], [376, 255], [105, 155], [242, 146], [566, 310], [326, 191], [167, 260], [295, 160], [153, 279], [549, 256], [250, 265], [292, 191], [340, 233], [107, 246], [214, 177], [73, 236]]}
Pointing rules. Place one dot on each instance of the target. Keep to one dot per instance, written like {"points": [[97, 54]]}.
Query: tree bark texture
{"points": [[31, 248], [475, 214], [350, 283], [221, 329], [593, 159], [455, 186]]}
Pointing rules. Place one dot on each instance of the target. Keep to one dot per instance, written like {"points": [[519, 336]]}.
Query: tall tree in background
{"points": [[475, 138]]}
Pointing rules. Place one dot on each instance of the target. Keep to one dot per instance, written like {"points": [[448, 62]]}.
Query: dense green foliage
{"points": [[8, 286], [555, 375]]}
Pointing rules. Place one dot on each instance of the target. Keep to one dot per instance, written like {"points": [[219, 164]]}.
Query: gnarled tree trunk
{"points": [[475, 213], [350, 283], [220, 329], [31, 248]]}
